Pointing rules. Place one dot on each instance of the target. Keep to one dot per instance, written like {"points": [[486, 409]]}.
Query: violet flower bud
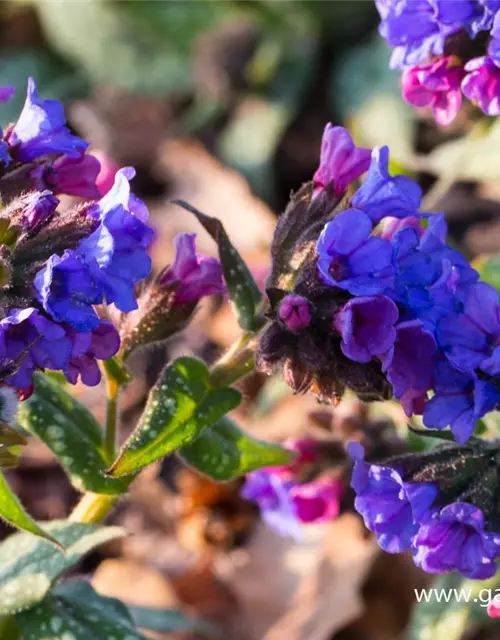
{"points": [[295, 313]]}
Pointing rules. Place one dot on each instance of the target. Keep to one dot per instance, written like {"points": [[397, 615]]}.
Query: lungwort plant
{"points": [[364, 294]]}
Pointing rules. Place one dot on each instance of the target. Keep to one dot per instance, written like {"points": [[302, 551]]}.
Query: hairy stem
{"points": [[93, 508], [110, 435]]}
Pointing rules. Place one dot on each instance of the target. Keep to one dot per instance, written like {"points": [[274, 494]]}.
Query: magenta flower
{"points": [[435, 85], [317, 501], [73, 176], [196, 276], [482, 84], [107, 172], [295, 313], [6, 93], [341, 162]]}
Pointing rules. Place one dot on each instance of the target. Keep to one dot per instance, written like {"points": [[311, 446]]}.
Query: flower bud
{"points": [[295, 313]]}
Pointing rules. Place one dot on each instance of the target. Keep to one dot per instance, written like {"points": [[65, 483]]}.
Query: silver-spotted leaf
{"points": [[180, 407], [74, 610], [72, 433], [29, 566], [225, 451], [243, 290]]}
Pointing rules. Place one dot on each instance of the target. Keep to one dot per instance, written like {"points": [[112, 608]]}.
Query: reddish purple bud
{"points": [[435, 85], [393, 225], [317, 501], [196, 275], [295, 313], [73, 176], [341, 162]]}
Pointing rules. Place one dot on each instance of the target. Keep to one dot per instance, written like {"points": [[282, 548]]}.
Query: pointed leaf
{"points": [[72, 433], [13, 512], [180, 407], [243, 290], [74, 610], [225, 451], [30, 566]]}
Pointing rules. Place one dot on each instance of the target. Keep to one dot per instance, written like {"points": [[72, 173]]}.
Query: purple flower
{"points": [[32, 342], [100, 344], [381, 195], [412, 29], [409, 365], [6, 93], [341, 162], [41, 130], [468, 338], [351, 258], [389, 506], [317, 501], [39, 208], [482, 84], [271, 491], [74, 176], [459, 401], [68, 290], [455, 539], [366, 325], [196, 276], [435, 85], [295, 313], [117, 251]]}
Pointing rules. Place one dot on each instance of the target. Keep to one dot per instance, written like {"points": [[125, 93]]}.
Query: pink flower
{"points": [[341, 162], [435, 85], [317, 501], [295, 313], [494, 608], [482, 84]]}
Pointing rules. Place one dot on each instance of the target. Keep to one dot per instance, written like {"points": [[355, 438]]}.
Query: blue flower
{"points": [[117, 251], [382, 195], [351, 258], [390, 507], [68, 290], [454, 539], [100, 344], [41, 130]]}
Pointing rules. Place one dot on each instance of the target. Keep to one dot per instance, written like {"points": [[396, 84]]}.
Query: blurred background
{"points": [[223, 104]]}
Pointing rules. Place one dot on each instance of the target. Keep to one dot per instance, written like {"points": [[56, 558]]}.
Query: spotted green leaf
{"points": [[75, 611], [224, 452], [13, 512], [179, 408], [243, 290], [72, 433], [30, 566]]}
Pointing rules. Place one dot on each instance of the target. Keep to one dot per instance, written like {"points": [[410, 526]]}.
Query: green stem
{"points": [[236, 363], [93, 508], [110, 434]]}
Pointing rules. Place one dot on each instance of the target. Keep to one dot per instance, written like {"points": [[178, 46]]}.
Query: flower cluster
{"points": [[446, 48], [380, 303], [441, 505], [288, 498]]}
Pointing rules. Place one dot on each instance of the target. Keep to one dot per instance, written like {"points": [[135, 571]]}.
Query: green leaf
{"points": [[72, 433], [225, 451], [30, 566], [171, 621], [75, 611], [13, 512], [243, 290], [179, 408]]}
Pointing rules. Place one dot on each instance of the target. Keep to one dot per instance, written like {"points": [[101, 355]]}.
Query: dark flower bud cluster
{"points": [[446, 48], [443, 505], [366, 294]]}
